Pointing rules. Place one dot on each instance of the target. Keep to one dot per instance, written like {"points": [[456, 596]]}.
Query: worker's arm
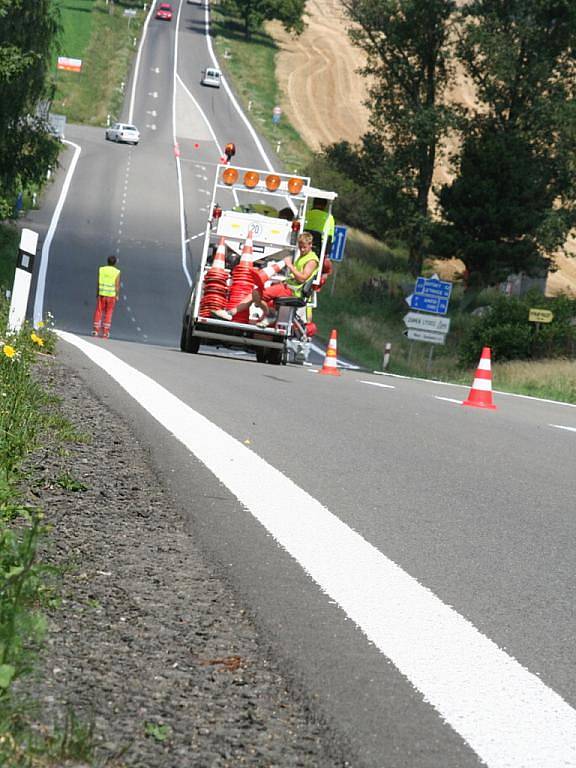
{"points": [[118, 287], [303, 275]]}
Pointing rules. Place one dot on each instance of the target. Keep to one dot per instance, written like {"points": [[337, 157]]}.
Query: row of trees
{"points": [[512, 201], [28, 32]]}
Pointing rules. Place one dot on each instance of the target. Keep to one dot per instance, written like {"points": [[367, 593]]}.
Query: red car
{"points": [[164, 12]]}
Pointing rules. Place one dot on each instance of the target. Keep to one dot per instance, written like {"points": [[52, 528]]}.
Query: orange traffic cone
{"points": [[220, 255], [480, 395], [330, 366]]}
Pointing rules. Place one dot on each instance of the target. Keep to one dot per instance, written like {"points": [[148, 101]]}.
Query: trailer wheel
{"points": [[188, 342], [275, 356], [261, 355]]}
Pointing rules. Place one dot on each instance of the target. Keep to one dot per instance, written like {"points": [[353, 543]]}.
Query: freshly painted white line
{"points": [[448, 399], [561, 426], [199, 108], [467, 386], [341, 363], [507, 715], [38, 310], [231, 96], [137, 65], [377, 384], [177, 157]]}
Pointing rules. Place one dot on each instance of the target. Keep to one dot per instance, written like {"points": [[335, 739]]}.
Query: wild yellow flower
{"points": [[40, 324], [9, 351], [36, 339]]}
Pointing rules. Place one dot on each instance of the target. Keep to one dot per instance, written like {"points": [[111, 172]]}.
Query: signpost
{"points": [[68, 64], [337, 251], [427, 322], [430, 295], [338, 244], [540, 316], [430, 336]]}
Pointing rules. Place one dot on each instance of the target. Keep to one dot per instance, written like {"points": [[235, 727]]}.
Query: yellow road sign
{"points": [[540, 316]]}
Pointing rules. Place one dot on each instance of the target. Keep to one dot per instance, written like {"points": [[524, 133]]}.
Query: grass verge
{"points": [[105, 40], [251, 65], [9, 239], [25, 588]]}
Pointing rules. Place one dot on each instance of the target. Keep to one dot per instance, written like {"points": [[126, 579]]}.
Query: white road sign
{"points": [[427, 322], [430, 336]]}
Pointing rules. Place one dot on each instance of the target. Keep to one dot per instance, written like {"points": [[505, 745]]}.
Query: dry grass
{"points": [[555, 379]]}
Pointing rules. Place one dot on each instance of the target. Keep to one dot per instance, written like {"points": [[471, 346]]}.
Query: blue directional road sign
{"points": [[430, 295], [338, 243]]}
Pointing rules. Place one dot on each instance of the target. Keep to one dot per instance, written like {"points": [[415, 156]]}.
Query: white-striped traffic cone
{"points": [[480, 395], [330, 366]]}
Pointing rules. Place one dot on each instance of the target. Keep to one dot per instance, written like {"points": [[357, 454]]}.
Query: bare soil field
{"points": [[323, 97]]}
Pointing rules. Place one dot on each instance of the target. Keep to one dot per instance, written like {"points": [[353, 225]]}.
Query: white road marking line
{"points": [[507, 715], [561, 426], [152, 127], [194, 237], [448, 399], [37, 313], [377, 384], [467, 387], [137, 66], [182, 215], [341, 363]]}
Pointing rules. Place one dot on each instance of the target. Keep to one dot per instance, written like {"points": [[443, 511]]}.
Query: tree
{"points": [[496, 208], [408, 45], [27, 35], [255, 12], [517, 170]]}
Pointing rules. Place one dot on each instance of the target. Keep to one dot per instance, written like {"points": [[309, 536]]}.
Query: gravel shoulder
{"points": [[149, 644]]}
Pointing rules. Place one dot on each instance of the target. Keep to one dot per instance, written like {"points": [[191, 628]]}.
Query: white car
{"points": [[211, 76], [123, 132]]}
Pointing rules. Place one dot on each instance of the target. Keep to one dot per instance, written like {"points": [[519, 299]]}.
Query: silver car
{"points": [[123, 132]]}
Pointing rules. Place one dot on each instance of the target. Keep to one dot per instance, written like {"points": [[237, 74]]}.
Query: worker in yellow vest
{"points": [[107, 293], [321, 224]]}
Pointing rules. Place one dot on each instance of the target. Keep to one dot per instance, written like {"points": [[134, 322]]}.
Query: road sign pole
{"points": [[430, 356], [333, 283]]}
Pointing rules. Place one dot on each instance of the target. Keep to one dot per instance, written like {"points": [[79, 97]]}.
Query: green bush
{"points": [[505, 328]]}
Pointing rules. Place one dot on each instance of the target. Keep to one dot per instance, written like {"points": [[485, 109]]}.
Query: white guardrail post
{"points": [[22, 280]]}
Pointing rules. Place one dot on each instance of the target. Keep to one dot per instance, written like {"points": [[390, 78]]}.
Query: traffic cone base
{"points": [[480, 395], [330, 366]]}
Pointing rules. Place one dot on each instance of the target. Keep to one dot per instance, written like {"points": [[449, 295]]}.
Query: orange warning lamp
{"points": [[251, 179], [272, 182], [295, 185], [230, 176]]}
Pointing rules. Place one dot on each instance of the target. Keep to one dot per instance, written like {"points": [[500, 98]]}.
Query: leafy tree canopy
{"points": [[255, 12], [408, 44], [27, 34]]}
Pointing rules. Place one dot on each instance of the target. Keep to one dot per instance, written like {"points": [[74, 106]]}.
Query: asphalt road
{"points": [[476, 506]]}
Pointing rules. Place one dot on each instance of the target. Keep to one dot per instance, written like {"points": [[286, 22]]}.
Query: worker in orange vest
{"points": [[107, 293]]}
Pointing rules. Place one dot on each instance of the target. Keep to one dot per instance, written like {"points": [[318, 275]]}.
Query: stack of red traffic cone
{"points": [[242, 281], [215, 283], [264, 275], [330, 366], [480, 395]]}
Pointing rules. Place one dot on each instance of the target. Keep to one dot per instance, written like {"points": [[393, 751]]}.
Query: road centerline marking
{"points": [[507, 715], [376, 384], [561, 426]]}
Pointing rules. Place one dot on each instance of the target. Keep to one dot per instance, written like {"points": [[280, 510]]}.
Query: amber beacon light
{"points": [[251, 179], [230, 176], [272, 182], [295, 185]]}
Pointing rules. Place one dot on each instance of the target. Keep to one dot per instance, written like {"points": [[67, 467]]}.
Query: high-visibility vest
{"points": [[299, 264], [320, 221], [107, 281]]}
